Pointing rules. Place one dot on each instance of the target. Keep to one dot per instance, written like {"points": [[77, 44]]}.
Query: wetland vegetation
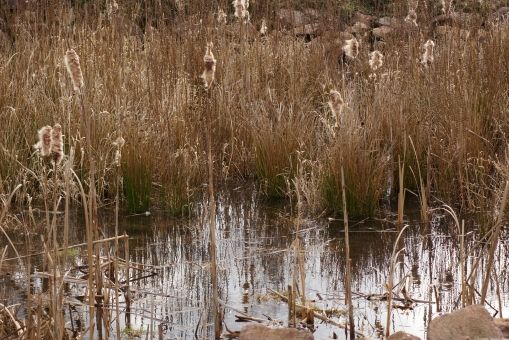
{"points": [[171, 168]]}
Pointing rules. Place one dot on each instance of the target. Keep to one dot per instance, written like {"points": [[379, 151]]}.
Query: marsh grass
{"points": [[271, 93]]}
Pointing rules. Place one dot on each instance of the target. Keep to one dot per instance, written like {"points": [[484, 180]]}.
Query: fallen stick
{"points": [[70, 247], [317, 315], [383, 297]]}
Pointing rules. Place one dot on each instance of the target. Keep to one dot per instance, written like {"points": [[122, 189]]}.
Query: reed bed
{"points": [[271, 102]]}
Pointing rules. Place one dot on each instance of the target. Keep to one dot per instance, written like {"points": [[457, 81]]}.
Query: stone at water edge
{"points": [[472, 322], [261, 332], [402, 336], [503, 325]]}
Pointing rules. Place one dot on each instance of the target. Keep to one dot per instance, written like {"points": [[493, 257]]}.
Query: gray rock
{"points": [[503, 325], [499, 16], [261, 332], [382, 32], [362, 18], [290, 18], [389, 21], [402, 336], [472, 322]]}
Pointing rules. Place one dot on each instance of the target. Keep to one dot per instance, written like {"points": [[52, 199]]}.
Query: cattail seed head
{"points": [[221, 17], [72, 63], [336, 103], [411, 18], [57, 143], [428, 55], [119, 143], [209, 61], [446, 6], [264, 29], [44, 143], [376, 60], [351, 48], [241, 12]]}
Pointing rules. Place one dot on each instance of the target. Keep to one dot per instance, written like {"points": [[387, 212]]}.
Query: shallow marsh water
{"points": [[254, 253]]}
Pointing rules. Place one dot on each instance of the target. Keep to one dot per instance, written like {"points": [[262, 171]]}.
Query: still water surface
{"points": [[254, 255]]}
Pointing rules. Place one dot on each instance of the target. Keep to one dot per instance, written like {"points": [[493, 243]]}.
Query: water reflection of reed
{"points": [[253, 242]]}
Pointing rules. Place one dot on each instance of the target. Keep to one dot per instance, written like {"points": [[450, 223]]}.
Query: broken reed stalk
{"points": [[463, 265], [390, 284], [493, 243], [212, 225], [348, 282], [291, 307], [401, 192], [299, 245], [423, 199], [127, 289], [117, 253]]}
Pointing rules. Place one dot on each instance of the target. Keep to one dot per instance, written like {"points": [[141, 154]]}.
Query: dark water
{"points": [[254, 252]]}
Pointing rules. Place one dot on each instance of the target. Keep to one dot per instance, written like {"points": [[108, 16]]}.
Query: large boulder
{"points": [[472, 322], [261, 332]]}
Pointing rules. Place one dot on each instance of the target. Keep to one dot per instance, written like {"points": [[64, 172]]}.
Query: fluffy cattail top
{"points": [[428, 57], [72, 63], [376, 60], [241, 11], [446, 6], [221, 17], [351, 48], [264, 29], [411, 18], [209, 61], [336, 103], [119, 143], [44, 143], [57, 143]]}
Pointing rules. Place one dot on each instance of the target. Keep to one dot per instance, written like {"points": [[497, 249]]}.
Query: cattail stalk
{"points": [[208, 77], [348, 279]]}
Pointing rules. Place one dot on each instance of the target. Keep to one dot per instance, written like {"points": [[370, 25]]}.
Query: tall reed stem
{"points": [[390, 284], [493, 243], [212, 226], [348, 282]]}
